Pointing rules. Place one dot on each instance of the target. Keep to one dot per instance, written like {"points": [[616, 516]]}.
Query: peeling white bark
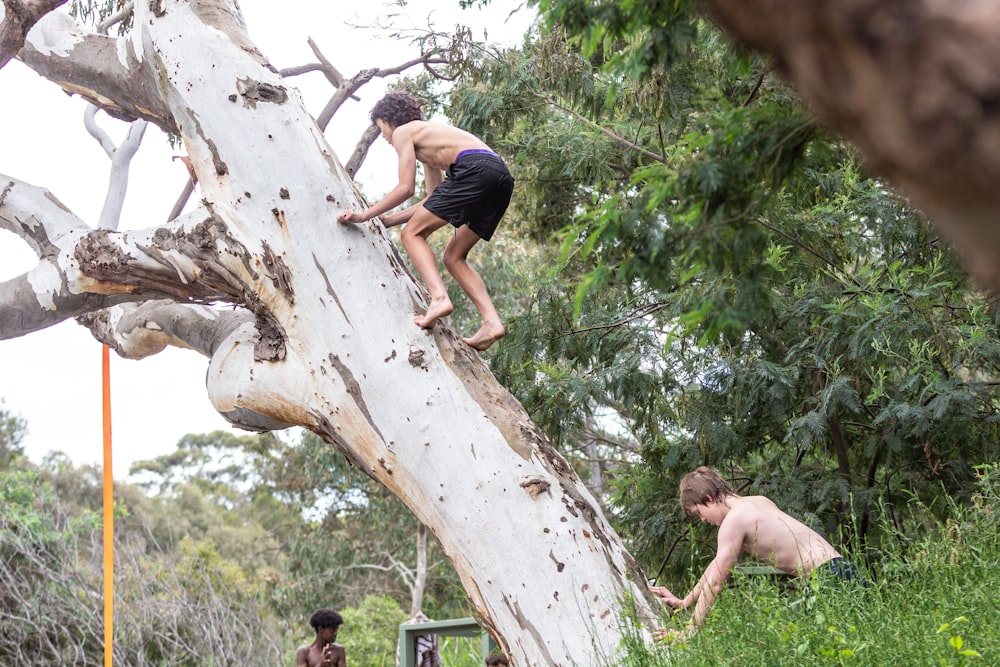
{"points": [[111, 73], [323, 335], [16, 18]]}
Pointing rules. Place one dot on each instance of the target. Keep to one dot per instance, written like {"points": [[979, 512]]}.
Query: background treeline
{"points": [[222, 552], [693, 272], [214, 568]]}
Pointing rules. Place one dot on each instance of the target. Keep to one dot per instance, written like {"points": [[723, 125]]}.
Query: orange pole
{"points": [[109, 513]]}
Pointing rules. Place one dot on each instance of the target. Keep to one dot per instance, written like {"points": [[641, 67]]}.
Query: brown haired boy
{"points": [[751, 525]]}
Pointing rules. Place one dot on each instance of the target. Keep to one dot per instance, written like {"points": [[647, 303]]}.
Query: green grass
{"points": [[460, 651], [932, 600]]}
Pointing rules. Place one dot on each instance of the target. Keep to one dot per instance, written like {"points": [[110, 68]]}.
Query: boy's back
{"points": [[772, 536], [435, 144]]}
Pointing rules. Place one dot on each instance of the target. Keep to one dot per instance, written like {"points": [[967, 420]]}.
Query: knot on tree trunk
{"points": [[257, 91], [535, 486]]}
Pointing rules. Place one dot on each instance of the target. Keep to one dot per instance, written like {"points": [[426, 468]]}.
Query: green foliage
{"points": [[634, 36], [188, 607], [722, 283], [39, 604], [371, 631], [12, 431], [298, 516]]}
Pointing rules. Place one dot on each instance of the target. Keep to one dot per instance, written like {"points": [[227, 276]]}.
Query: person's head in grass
{"points": [[702, 486]]}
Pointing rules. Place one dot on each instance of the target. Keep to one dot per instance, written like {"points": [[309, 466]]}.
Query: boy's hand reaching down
{"points": [[667, 596]]}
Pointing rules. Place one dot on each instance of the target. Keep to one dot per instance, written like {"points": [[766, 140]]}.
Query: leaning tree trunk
{"points": [[914, 83], [323, 334]]}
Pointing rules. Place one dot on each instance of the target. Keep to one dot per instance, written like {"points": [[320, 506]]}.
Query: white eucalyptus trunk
{"points": [[323, 336]]}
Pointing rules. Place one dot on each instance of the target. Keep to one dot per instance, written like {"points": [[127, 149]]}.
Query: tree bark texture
{"points": [[914, 83], [17, 17], [318, 330]]}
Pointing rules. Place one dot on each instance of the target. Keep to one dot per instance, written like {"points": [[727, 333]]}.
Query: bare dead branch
{"points": [[121, 15], [324, 66], [182, 200], [360, 152], [361, 78], [336, 77], [188, 190]]}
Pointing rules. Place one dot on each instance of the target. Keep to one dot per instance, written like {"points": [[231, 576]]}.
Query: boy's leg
{"points": [[414, 235], [455, 256]]}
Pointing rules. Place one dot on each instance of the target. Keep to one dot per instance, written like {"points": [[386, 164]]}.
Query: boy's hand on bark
{"points": [[351, 216], [666, 596]]}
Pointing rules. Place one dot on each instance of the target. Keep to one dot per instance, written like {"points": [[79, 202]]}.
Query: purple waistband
{"points": [[474, 151]]}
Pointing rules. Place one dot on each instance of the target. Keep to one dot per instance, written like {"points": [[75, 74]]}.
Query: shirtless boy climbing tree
{"points": [[472, 199]]}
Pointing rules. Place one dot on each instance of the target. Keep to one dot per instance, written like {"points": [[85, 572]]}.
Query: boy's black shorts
{"points": [[476, 192]]}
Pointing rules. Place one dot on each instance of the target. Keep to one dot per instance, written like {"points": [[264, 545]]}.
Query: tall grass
{"points": [[932, 599]]}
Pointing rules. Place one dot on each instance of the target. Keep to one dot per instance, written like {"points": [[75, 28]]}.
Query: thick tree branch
{"points": [[138, 330], [82, 269], [103, 70], [16, 19], [36, 216]]}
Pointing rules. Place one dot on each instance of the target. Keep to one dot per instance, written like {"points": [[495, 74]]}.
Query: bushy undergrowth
{"points": [[931, 600]]}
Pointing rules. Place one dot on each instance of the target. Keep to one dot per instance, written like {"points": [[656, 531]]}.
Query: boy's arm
{"points": [[301, 657], [432, 179], [402, 141], [400, 217], [668, 597], [730, 545]]}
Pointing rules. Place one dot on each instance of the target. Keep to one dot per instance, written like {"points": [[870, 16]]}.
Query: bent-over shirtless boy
{"points": [[472, 199], [751, 525]]}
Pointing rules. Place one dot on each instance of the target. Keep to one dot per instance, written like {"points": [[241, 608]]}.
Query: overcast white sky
{"points": [[52, 378]]}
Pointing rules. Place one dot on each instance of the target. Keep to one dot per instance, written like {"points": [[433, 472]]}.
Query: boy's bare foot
{"points": [[435, 311], [486, 336]]}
